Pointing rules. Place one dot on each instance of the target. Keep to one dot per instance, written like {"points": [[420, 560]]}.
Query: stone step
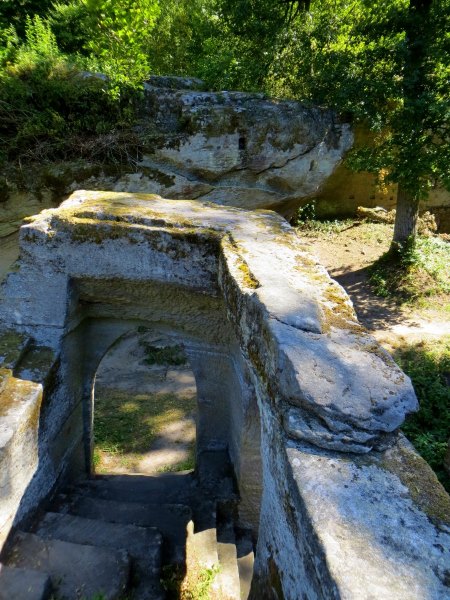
{"points": [[170, 519], [24, 584], [245, 560], [166, 488], [143, 544], [75, 570], [201, 556], [38, 364], [229, 571], [13, 346]]}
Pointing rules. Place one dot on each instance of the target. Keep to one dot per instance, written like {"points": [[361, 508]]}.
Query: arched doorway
{"points": [[145, 406]]}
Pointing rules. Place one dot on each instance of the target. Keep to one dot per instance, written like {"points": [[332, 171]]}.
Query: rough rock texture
{"points": [[347, 392], [229, 148], [267, 333], [239, 149]]}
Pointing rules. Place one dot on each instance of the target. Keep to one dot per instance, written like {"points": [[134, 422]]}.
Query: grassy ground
{"points": [[126, 425], [196, 585]]}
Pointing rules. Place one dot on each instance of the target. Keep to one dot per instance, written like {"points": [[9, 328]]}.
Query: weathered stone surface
{"points": [[303, 370], [377, 541], [23, 584], [99, 571], [19, 422], [254, 152], [295, 323]]}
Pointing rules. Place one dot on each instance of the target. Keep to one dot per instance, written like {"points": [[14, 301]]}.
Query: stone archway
{"points": [[145, 399], [268, 334]]}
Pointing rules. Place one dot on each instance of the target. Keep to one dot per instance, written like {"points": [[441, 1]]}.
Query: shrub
{"points": [[428, 365], [47, 102]]}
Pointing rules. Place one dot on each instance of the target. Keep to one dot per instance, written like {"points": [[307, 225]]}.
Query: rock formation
{"points": [[288, 383], [230, 148]]}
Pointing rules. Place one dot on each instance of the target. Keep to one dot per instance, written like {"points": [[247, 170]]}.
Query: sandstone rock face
{"points": [[240, 149], [230, 148]]}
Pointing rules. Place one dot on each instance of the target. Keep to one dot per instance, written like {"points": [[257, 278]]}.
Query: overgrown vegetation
{"points": [[50, 108], [194, 586], [428, 365], [412, 271]]}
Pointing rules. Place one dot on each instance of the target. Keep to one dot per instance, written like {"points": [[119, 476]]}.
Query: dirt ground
{"points": [[346, 255]]}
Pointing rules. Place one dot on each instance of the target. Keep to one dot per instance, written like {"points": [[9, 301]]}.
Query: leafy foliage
{"points": [[47, 102], [428, 366], [413, 270], [13, 13]]}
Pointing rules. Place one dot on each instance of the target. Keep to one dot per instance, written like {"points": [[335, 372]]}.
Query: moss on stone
{"points": [[248, 279], [37, 364], [423, 485], [14, 391], [12, 345]]}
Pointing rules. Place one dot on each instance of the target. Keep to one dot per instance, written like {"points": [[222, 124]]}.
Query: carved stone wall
{"points": [[345, 504]]}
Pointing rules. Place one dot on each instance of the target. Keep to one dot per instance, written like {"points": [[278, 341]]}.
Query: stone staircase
{"points": [[117, 537]]}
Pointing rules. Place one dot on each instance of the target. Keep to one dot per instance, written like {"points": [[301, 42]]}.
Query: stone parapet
{"points": [[333, 384], [344, 498]]}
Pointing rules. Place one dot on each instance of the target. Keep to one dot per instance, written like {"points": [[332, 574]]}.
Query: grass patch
{"points": [[428, 365], [413, 271], [185, 465], [125, 425], [306, 221], [196, 585], [314, 226]]}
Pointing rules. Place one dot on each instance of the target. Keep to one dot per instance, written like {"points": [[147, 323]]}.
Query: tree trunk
{"points": [[406, 215], [414, 77]]}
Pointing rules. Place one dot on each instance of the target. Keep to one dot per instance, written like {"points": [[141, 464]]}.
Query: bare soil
{"points": [[346, 255]]}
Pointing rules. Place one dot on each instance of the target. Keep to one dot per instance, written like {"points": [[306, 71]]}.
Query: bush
{"points": [[47, 101], [416, 269], [428, 365]]}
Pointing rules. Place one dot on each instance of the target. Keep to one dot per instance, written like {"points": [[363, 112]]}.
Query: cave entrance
{"points": [[145, 407]]}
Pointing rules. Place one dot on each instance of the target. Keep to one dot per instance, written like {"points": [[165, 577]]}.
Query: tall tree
{"points": [[387, 64], [415, 90]]}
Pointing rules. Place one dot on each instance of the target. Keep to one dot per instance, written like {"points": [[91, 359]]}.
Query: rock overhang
{"points": [[333, 385]]}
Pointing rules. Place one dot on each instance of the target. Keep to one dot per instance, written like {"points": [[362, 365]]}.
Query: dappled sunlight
{"points": [[144, 415]]}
